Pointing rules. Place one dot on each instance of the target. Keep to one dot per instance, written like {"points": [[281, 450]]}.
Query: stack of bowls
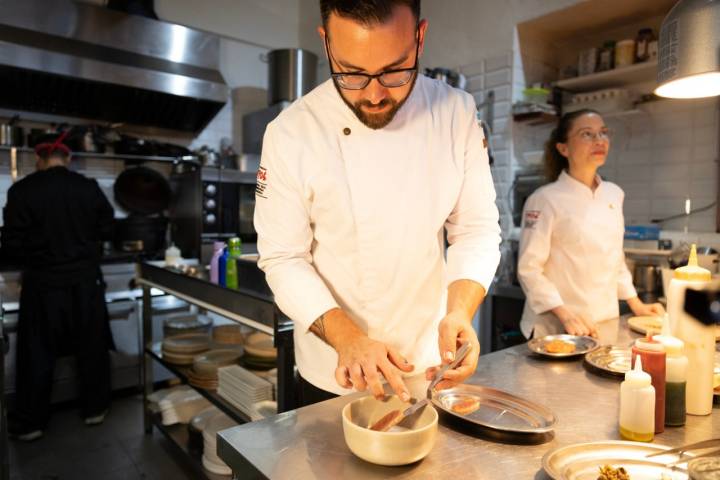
{"points": [[204, 372], [260, 354], [182, 349], [210, 461], [227, 336]]}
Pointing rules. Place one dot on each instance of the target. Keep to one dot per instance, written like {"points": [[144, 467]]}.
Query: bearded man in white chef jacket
{"points": [[358, 180]]}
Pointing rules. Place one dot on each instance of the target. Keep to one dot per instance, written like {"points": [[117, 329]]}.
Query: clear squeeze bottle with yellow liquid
{"points": [[637, 405]]}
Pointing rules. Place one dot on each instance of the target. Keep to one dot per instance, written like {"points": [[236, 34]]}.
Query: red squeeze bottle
{"points": [[653, 362]]}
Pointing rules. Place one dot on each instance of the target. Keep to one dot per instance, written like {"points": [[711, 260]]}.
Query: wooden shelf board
{"points": [[617, 77]]}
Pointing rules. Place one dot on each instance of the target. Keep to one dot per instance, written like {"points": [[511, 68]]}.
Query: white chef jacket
{"points": [[571, 253], [352, 217]]}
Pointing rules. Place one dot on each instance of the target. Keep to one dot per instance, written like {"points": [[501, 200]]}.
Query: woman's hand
{"points": [[575, 324], [645, 309]]}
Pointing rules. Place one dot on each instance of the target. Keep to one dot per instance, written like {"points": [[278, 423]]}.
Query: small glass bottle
{"points": [[637, 405]]}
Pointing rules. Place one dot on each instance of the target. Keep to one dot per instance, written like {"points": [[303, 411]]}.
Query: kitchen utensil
{"points": [[497, 411], [396, 416], [583, 460], [407, 443], [609, 359], [10, 134], [582, 345], [680, 451]]}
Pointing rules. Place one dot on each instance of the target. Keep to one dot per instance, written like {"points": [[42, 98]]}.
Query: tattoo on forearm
{"points": [[318, 328]]}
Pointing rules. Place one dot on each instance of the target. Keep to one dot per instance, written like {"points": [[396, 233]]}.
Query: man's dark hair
{"points": [[365, 11]]}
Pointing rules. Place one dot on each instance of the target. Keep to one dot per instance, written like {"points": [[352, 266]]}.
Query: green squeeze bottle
{"points": [[231, 273]]}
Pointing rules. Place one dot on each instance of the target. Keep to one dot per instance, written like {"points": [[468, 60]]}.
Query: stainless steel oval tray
{"points": [[582, 345], [582, 461], [610, 359], [497, 410]]}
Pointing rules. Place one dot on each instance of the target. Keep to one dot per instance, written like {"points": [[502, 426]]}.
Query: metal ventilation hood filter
{"points": [[80, 60]]}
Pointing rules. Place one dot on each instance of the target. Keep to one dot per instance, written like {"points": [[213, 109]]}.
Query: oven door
{"points": [[246, 202]]}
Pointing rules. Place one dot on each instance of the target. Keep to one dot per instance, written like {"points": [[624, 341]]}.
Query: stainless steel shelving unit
{"points": [[243, 306]]}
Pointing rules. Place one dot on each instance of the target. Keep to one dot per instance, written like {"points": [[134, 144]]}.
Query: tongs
{"points": [[680, 451]]}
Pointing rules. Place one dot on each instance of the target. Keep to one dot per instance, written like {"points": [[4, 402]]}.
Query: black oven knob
{"points": [[210, 204], [210, 190], [210, 219]]}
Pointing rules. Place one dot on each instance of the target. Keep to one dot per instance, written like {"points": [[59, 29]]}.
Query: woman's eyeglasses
{"points": [[389, 78], [588, 136]]}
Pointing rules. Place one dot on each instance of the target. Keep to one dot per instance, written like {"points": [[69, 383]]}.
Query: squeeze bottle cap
{"points": [[636, 376], [692, 272], [673, 345]]}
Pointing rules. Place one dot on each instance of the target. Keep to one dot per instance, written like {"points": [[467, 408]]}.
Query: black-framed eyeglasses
{"points": [[389, 78]]}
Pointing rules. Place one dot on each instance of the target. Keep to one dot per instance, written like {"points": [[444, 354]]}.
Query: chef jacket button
{"points": [[346, 131]]}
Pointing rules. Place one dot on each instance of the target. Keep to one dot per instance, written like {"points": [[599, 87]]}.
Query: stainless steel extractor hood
{"points": [[79, 60]]}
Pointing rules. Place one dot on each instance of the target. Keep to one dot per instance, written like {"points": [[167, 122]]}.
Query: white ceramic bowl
{"points": [[393, 447]]}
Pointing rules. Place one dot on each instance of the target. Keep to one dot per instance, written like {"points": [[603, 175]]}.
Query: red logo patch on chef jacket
{"points": [[261, 185], [531, 218]]}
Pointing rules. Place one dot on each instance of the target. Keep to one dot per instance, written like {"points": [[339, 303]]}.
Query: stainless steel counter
{"points": [[308, 443]]}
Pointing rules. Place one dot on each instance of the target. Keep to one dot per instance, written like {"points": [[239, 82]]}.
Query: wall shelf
{"points": [[617, 77], [113, 156]]}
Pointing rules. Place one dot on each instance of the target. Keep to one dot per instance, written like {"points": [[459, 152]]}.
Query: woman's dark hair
{"points": [[554, 161], [365, 11]]}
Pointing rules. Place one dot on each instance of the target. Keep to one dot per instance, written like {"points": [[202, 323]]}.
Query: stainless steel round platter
{"points": [[582, 461], [496, 410], [582, 345], [610, 359]]}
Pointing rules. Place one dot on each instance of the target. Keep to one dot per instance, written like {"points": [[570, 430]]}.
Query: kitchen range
{"points": [[373, 336]]}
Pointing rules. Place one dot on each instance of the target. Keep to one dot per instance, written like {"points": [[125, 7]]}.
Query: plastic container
{"points": [[218, 248], [624, 53], [231, 273], [172, 256], [222, 264], [676, 364], [536, 95], [652, 355], [637, 405], [699, 338]]}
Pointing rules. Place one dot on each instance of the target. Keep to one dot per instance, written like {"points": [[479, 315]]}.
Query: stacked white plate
{"points": [[243, 389], [178, 404], [210, 461]]}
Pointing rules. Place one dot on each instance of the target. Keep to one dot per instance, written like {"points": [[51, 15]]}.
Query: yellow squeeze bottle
{"points": [[637, 405]]}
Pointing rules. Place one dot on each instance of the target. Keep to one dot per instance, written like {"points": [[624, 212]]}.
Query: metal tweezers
{"points": [[680, 451]]}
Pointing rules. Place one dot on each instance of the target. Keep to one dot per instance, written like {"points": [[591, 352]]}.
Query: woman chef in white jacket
{"points": [[572, 265]]}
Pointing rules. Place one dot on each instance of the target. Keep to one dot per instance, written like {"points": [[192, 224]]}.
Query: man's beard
{"points": [[376, 121]]}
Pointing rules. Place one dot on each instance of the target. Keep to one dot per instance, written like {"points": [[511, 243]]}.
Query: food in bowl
{"points": [[413, 443], [560, 346], [609, 473]]}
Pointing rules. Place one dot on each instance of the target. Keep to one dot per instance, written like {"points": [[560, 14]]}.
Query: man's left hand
{"points": [[455, 329]]}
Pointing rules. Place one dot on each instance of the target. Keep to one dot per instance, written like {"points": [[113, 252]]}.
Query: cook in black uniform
{"points": [[54, 222]]}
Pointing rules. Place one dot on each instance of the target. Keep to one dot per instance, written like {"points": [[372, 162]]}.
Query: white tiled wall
{"points": [[666, 153]]}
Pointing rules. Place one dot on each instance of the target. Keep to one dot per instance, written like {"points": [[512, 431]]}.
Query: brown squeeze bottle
{"points": [[653, 361]]}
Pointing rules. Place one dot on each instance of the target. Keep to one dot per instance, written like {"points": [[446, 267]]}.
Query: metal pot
{"points": [[291, 74], [646, 278], [10, 134]]}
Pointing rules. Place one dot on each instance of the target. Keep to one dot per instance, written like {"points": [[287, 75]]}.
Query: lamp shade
{"points": [[689, 50]]}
